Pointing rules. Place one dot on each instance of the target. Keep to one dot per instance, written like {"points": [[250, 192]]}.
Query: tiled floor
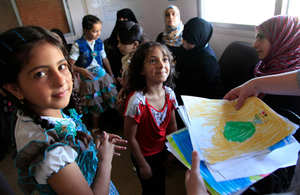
{"points": [[123, 176]]}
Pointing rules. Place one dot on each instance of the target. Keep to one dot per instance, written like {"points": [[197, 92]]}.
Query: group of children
{"points": [[55, 151]]}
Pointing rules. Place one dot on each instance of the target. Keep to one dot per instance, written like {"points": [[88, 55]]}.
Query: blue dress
{"points": [[42, 153]]}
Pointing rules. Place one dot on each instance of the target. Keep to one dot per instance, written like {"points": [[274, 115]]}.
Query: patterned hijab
{"points": [[172, 35], [283, 32]]}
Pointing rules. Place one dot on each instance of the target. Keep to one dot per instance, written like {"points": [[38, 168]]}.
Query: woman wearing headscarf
{"points": [[113, 53], [199, 72], [278, 47], [172, 35]]}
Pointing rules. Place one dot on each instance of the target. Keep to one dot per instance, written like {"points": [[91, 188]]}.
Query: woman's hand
{"points": [[194, 182]]}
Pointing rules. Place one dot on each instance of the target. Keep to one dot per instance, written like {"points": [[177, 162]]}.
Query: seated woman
{"points": [[199, 72], [113, 53], [172, 35], [277, 45]]}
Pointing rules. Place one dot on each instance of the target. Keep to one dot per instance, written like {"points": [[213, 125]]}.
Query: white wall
{"points": [[152, 22]]}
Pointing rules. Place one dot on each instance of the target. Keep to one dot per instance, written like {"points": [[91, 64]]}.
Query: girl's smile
{"points": [[93, 33], [45, 81], [156, 67]]}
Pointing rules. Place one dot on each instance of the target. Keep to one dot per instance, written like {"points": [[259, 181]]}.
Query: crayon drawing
{"points": [[225, 133]]}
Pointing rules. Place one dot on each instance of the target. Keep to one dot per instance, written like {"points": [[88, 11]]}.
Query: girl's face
{"points": [[262, 45], [156, 67], [171, 18], [186, 45], [93, 33], [126, 48], [45, 81]]}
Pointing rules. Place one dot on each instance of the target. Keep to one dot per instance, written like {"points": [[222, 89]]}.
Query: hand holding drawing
{"points": [[194, 182], [280, 84]]}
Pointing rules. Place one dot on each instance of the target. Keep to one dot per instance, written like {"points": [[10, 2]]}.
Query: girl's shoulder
{"points": [[133, 102], [171, 96], [170, 93], [136, 97]]}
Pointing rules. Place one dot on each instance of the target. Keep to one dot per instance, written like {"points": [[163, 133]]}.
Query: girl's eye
{"points": [[152, 61], [62, 67], [166, 59], [39, 74]]}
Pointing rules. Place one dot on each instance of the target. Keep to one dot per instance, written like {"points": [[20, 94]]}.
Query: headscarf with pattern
{"points": [[283, 32], [172, 36]]}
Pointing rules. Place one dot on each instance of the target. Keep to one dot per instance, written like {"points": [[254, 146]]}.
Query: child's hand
{"points": [[87, 74], [146, 172], [105, 148], [121, 103], [170, 160], [116, 139], [115, 81], [120, 80]]}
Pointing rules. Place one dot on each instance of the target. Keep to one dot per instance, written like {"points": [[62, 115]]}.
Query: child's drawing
{"points": [[226, 133], [239, 131]]}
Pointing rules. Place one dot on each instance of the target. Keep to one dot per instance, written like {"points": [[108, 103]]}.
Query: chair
{"points": [[237, 64], [292, 117]]}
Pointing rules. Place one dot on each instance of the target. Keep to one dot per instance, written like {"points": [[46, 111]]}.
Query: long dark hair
{"points": [[136, 81], [16, 45], [129, 32]]}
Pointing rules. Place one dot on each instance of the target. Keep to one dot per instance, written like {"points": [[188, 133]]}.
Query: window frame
{"points": [[67, 11], [281, 7]]}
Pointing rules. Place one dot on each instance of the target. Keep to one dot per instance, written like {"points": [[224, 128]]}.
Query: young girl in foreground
{"points": [[55, 152], [97, 90], [149, 114]]}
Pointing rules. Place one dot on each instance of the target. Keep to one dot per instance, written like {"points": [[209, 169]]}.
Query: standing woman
{"points": [[113, 53], [199, 72], [172, 35], [278, 47]]}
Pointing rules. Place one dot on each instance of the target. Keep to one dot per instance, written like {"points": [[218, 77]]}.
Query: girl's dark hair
{"points": [[16, 46], [88, 21], [129, 32], [136, 81]]}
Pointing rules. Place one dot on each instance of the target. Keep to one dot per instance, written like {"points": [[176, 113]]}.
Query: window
{"points": [[293, 8], [245, 14], [45, 13]]}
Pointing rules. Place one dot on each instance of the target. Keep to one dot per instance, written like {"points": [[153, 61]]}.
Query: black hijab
{"points": [[123, 13], [199, 72], [197, 31]]}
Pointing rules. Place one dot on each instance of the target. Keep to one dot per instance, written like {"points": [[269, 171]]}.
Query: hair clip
{"points": [[7, 46], [20, 36], [3, 61]]}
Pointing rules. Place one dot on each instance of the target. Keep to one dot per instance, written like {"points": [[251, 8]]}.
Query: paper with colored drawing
{"points": [[181, 146], [181, 143], [223, 133]]}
